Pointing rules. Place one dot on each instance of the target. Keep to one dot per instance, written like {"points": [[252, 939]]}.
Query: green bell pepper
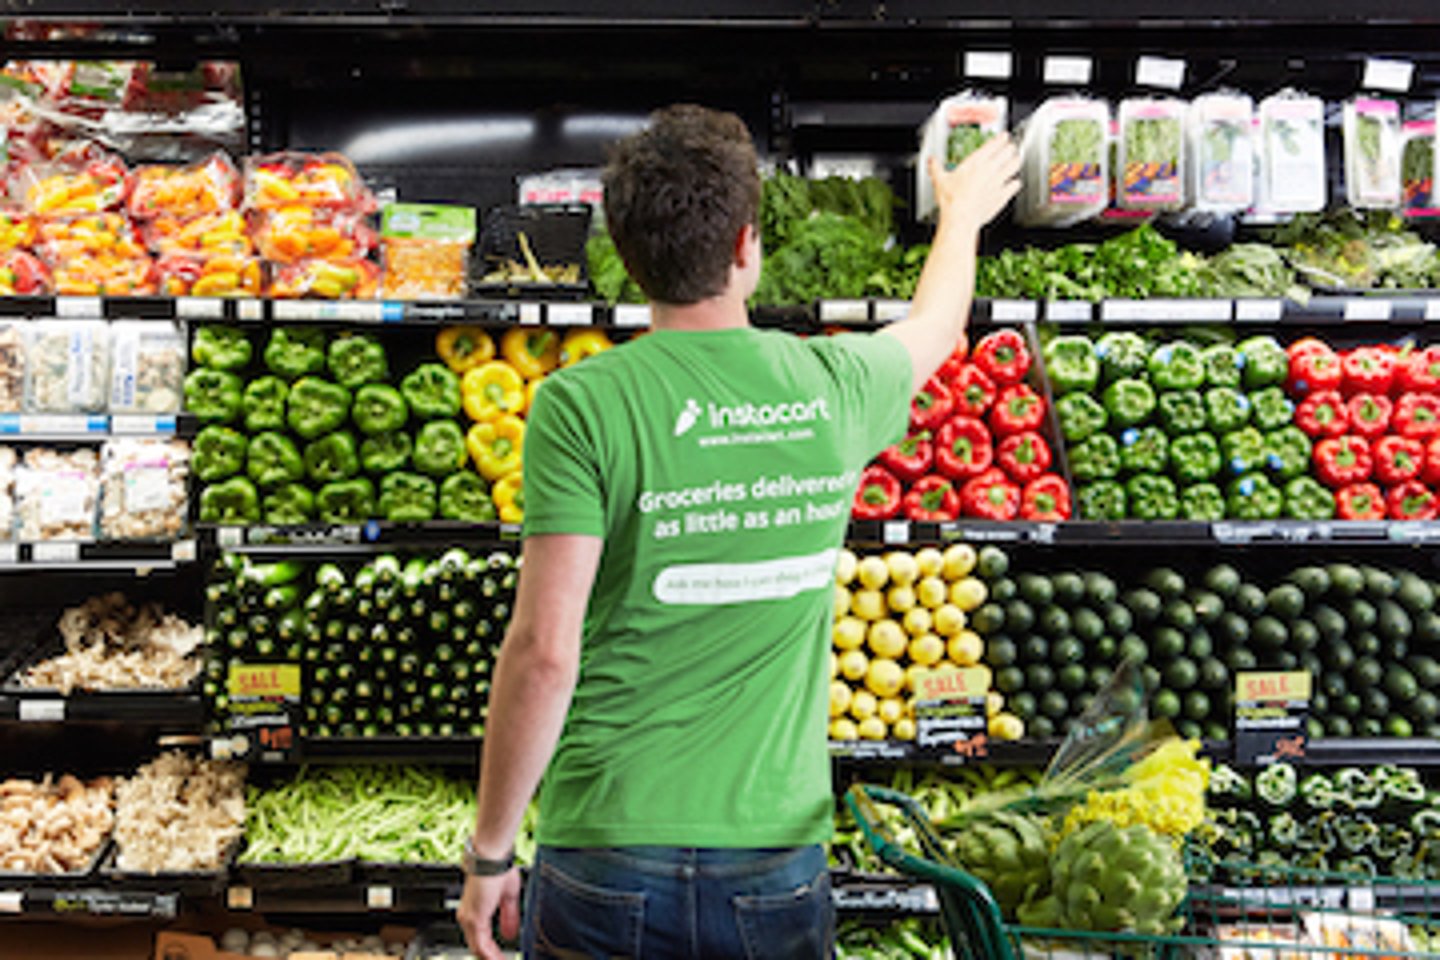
{"points": [[1181, 411], [439, 448], [1097, 458], [1277, 784], [1122, 353], [316, 407], [466, 496], [1223, 365], [1195, 457], [1151, 497], [263, 404], [1270, 408], [213, 394], [219, 453], [346, 501], [291, 504], [1144, 450], [1202, 501], [221, 348], [1287, 452], [1308, 499], [1252, 496], [1243, 450], [1226, 409], [1177, 366], [1080, 416], [1071, 364], [1129, 401], [1266, 364], [379, 408], [294, 352], [385, 452], [1359, 788], [332, 458], [1102, 500], [232, 502], [432, 391], [356, 359], [273, 460], [407, 497]]}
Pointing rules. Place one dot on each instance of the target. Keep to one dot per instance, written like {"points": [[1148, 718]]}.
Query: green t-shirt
{"points": [[720, 468]]}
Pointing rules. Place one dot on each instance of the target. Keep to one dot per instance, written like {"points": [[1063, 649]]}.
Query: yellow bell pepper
{"points": [[530, 390], [464, 348], [534, 351], [492, 390], [497, 446], [581, 344], [509, 496]]}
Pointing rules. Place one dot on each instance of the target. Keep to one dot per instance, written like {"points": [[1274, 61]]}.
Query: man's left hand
{"points": [[483, 899]]}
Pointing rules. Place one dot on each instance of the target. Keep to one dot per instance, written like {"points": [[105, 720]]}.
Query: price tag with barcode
{"points": [[1259, 310], [570, 314], [42, 711], [199, 308], [632, 315], [1393, 76], [240, 898], [55, 552], [1161, 72], [253, 310], [182, 551], [1367, 309], [79, 308], [1068, 71], [896, 531], [9, 553], [989, 64], [1067, 310], [12, 901], [531, 314], [380, 898], [844, 311], [1013, 311]]}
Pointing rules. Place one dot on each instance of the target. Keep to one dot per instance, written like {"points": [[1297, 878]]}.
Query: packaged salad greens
{"points": [[957, 127], [1372, 153], [1151, 154], [1221, 152], [1417, 168], [1064, 175], [67, 365], [1292, 153], [147, 366]]}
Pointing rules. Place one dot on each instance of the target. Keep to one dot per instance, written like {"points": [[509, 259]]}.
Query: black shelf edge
{"points": [[901, 532], [355, 539], [387, 749], [181, 710], [1325, 752]]}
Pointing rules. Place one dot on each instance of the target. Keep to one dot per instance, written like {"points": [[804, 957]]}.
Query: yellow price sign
{"points": [[1275, 686], [952, 683], [264, 680]]}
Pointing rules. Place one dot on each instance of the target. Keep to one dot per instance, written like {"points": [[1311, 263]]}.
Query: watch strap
{"points": [[475, 865]]}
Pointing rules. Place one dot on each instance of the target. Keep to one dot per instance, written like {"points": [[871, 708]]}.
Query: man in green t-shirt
{"points": [[686, 496]]}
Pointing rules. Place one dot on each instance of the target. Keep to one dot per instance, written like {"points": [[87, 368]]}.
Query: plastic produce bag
{"points": [[1417, 168], [1065, 171], [23, 274], [99, 235], [325, 280], [1292, 158], [147, 368], [7, 493], [210, 187], [1221, 152], [957, 127], [67, 366], [328, 180], [144, 488], [221, 275], [58, 190], [56, 494], [1151, 154], [301, 232], [425, 250], [214, 234], [1372, 153], [12, 366]]}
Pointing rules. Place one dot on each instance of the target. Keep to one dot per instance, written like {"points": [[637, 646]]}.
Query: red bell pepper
{"points": [[911, 458], [1323, 414], [932, 406], [1432, 461], [1420, 371], [1306, 346], [990, 496], [1047, 497], [973, 391], [1017, 409], [1003, 356], [1360, 501], [933, 498], [1368, 370], [1314, 370], [1024, 456], [1398, 459], [1341, 461], [878, 497], [1412, 500], [963, 448], [1416, 415], [950, 369], [1369, 413]]}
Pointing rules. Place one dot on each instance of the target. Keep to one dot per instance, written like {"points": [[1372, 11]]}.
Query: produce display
{"points": [[131, 489], [144, 484], [910, 939], [264, 943], [179, 814], [112, 644], [53, 826], [56, 494]]}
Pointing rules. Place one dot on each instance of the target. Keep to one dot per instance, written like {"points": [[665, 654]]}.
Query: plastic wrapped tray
{"points": [[555, 235], [194, 883]]}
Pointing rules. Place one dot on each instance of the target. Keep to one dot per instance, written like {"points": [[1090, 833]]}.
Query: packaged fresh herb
{"points": [[1292, 158], [957, 127], [1065, 173], [1417, 168], [1372, 153], [1221, 151], [1152, 155]]}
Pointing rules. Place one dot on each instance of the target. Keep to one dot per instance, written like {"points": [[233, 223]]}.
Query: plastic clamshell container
{"points": [[1065, 168], [959, 125], [1292, 157], [1221, 140], [1373, 147], [147, 366], [67, 366], [1151, 154]]}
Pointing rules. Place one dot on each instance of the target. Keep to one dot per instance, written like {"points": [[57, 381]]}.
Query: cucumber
{"points": [[1167, 582], [1286, 601], [1223, 579], [1100, 589], [1313, 581], [1346, 579], [1069, 588]]}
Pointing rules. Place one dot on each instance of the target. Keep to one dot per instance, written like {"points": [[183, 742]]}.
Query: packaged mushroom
{"points": [[144, 488], [7, 493], [55, 494], [67, 366], [53, 826], [12, 367], [147, 367]]}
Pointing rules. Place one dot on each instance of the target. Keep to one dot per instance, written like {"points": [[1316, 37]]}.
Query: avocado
{"points": [[1066, 650], [1232, 628], [1312, 664], [1400, 684], [1151, 678], [1240, 658], [1166, 581], [1399, 649], [1427, 627], [1286, 601], [1035, 589], [1181, 674], [1366, 643], [1053, 622], [1304, 636], [1118, 619], [1338, 726], [1249, 600], [1087, 624], [1167, 643], [1003, 590], [1268, 633], [1000, 651], [1098, 677], [1071, 677], [1374, 703], [1069, 588], [1426, 670], [1314, 581], [1019, 616], [1144, 604], [1133, 648], [1178, 614], [1054, 705], [1425, 707], [1201, 645], [1329, 622], [1361, 614], [1100, 589], [1285, 660], [1369, 727], [991, 563], [1319, 703], [1213, 674], [1223, 579], [1039, 677], [1338, 656], [1349, 705], [1415, 593], [1034, 649], [1314, 729], [1379, 584], [1366, 672], [1393, 622], [1346, 579], [1106, 647], [989, 619], [1208, 606]]}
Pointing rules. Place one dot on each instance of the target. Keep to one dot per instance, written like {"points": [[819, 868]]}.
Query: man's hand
{"points": [[482, 900], [977, 190]]}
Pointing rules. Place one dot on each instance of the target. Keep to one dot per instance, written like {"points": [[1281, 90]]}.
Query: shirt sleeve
{"points": [[872, 375], [563, 492]]}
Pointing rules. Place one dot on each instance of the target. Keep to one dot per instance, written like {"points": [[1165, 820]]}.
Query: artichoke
{"points": [[1010, 853]]}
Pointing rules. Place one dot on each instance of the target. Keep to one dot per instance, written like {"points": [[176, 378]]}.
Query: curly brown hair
{"points": [[677, 194]]}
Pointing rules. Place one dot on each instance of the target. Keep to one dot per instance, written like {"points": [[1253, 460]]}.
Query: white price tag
{"points": [[1185, 310], [1068, 71], [12, 901], [250, 310], [1432, 311], [850, 168], [55, 552], [989, 64], [79, 308], [1067, 310], [570, 314], [888, 311], [530, 314], [1161, 72], [896, 531], [58, 423], [1259, 310], [1361, 899], [1013, 311], [229, 536], [1394, 76], [632, 315], [183, 551], [199, 308], [42, 711], [240, 898], [1365, 309], [9, 553], [300, 310], [360, 311], [380, 898], [844, 311]]}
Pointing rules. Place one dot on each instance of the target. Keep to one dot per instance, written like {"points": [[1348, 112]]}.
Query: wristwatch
{"points": [[475, 865]]}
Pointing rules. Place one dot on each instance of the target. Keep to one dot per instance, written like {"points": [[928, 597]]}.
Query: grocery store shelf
{"points": [[43, 900], [94, 557], [1344, 752], [1156, 533], [79, 427], [180, 710], [355, 539], [444, 750]]}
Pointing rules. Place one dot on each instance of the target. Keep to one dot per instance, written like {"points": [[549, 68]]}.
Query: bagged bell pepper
{"points": [[294, 352], [346, 501], [1270, 408], [492, 390], [315, 407], [1151, 497], [1419, 372], [532, 351], [56, 191], [1368, 370], [1397, 459], [290, 505], [1252, 496], [878, 496], [1071, 364], [464, 496], [1368, 414], [496, 446], [439, 448], [1177, 365], [1312, 370], [213, 394], [1023, 456], [1097, 458], [1102, 500], [1323, 414], [332, 457], [379, 408], [1181, 411], [580, 344], [221, 275], [464, 347], [1287, 452], [263, 404], [386, 452], [219, 452], [963, 448], [215, 234], [509, 496], [1202, 502], [972, 391], [325, 280], [1226, 409], [990, 496], [1002, 356], [1017, 409], [221, 348], [407, 497], [1195, 458], [1342, 461], [356, 359], [296, 233], [273, 460], [931, 406], [1129, 401], [1266, 364], [320, 180], [910, 459], [235, 501], [1080, 416], [1243, 450], [210, 186], [1308, 499], [1045, 499], [1360, 501], [1416, 415], [432, 391], [1412, 500], [933, 498], [1224, 366]]}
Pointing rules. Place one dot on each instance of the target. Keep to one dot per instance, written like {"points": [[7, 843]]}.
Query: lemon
{"points": [[968, 594], [965, 648], [901, 599], [853, 664], [929, 561], [843, 728], [845, 565], [884, 678], [873, 728], [927, 649], [1006, 726], [873, 572], [949, 620], [842, 601], [891, 709], [863, 705], [868, 605], [994, 703], [958, 561], [911, 672], [903, 568], [848, 634], [840, 697], [887, 639], [904, 729], [917, 621], [931, 592], [984, 677], [834, 665]]}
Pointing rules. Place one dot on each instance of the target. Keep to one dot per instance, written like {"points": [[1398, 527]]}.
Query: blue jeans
{"points": [[660, 903]]}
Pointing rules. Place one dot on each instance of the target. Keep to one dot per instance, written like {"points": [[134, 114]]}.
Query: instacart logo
{"points": [[720, 419], [688, 417]]}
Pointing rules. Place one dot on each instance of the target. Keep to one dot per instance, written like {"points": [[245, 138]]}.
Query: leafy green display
{"points": [[607, 272]]}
